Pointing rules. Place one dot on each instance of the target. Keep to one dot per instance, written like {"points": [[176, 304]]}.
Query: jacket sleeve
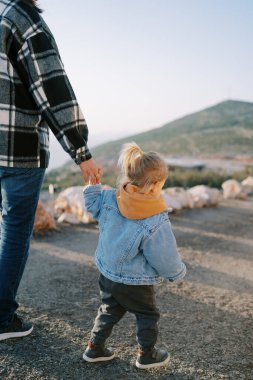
{"points": [[41, 70], [93, 197], [160, 250]]}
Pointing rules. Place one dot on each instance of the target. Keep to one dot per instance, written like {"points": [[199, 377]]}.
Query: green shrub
{"points": [[177, 178], [190, 178]]}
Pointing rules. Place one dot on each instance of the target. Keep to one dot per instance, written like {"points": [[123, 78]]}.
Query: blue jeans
{"points": [[19, 195]]}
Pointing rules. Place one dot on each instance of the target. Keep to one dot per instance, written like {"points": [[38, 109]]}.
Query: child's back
{"points": [[133, 251]]}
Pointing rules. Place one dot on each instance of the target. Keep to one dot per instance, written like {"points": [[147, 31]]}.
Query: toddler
{"points": [[136, 248]]}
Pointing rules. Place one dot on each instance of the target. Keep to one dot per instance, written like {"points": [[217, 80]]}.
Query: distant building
{"points": [[185, 163]]}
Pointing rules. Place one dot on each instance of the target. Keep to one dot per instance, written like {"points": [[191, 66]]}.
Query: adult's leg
{"points": [[109, 313], [20, 189]]}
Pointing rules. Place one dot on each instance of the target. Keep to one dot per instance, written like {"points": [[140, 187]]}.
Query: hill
{"points": [[225, 129]]}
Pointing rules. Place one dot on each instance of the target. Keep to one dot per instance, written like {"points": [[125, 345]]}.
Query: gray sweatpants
{"points": [[119, 298]]}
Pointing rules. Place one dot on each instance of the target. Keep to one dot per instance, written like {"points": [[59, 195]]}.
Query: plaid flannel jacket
{"points": [[35, 92]]}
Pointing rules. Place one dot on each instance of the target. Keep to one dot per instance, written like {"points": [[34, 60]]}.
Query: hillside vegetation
{"points": [[224, 130]]}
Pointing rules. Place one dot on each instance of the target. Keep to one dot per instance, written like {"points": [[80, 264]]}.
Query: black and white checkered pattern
{"points": [[34, 92]]}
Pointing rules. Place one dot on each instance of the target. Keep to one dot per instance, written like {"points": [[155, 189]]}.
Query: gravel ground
{"points": [[206, 320]]}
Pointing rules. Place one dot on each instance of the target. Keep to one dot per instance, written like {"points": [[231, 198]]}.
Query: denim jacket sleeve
{"points": [[160, 250], [93, 196]]}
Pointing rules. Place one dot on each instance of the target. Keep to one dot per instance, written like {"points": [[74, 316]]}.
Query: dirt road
{"points": [[206, 320]]}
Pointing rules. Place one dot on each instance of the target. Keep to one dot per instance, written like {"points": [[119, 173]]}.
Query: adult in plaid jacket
{"points": [[35, 94]]}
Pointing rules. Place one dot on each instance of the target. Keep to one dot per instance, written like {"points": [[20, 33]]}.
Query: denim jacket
{"points": [[132, 251]]}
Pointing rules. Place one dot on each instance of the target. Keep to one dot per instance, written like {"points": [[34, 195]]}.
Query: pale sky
{"points": [[137, 64]]}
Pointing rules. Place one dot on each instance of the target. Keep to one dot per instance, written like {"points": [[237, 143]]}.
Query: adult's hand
{"points": [[91, 171]]}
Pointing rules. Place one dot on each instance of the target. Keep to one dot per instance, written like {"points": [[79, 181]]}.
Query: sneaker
{"points": [[152, 358], [16, 329], [97, 353]]}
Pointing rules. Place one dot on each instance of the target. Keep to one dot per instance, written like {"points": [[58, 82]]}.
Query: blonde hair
{"points": [[140, 168]]}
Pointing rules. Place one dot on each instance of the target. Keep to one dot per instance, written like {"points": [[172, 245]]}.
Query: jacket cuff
{"points": [[92, 188], [180, 275], [82, 154]]}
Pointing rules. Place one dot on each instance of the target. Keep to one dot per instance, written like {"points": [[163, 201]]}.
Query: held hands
{"points": [[91, 172]]}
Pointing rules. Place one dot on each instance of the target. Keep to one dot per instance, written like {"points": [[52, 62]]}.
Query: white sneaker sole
{"points": [[15, 334], [152, 365], [100, 359]]}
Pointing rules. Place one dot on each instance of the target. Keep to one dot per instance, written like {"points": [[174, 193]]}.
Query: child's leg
{"points": [[109, 313], [140, 300], [147, 316]]}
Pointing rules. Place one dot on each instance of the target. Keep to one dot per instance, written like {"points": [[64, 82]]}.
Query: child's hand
{"points": [[99, 175]]}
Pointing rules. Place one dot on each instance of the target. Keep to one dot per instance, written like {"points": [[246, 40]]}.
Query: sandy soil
{"points": [[206, 320]]}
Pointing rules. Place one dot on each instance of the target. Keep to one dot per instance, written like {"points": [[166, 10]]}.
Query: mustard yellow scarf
{"points": [[134, 205]]}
